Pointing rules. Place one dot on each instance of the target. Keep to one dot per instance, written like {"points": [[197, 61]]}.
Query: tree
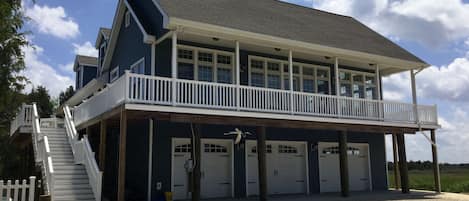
{"points": [[12, 40], [65, 95], [41, 97]]}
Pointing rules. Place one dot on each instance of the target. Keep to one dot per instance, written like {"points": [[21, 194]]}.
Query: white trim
{"points": [[174, 65], [273, 41], [386, 159], [147, 38], [127, 19], [153, 59], [214, 64], [296, 142], [351, 82], [262, 115], [135, 64], [328, 143], [81, 69], [163, 13], [202, 141], [300, 75], [150, 158], [114, 70]]}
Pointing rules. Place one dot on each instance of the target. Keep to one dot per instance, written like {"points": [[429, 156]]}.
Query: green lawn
{"points": [[453, 179]]}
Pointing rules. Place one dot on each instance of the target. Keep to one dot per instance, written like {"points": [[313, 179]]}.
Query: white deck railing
{"points": [[42, 151], [16, 191], [84, 154], [22, 119], [153, 90]]}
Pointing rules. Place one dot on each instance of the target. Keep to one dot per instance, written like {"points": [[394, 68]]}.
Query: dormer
{"points": [[86, 69], [102, 43]]}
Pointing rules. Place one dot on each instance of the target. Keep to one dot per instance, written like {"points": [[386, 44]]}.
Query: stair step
{"points": [[84, 191], [71, 177], [80, 197], [70, 172], [85, 186], [65, 181]]}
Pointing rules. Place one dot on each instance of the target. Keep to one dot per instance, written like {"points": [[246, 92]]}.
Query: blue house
{"points": [[238, 98], [86, 69]]}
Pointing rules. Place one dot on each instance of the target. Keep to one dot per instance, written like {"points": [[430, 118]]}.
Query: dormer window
{"points": [[127, 19]]}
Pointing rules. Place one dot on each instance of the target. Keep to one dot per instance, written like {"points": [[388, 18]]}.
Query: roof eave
{"points": [[274, 41]]}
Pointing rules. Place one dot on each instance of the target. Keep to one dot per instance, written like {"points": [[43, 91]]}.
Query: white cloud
{"points": [[66, 68], [53, 21], [85, 49], [431, 22], [40, 73]]}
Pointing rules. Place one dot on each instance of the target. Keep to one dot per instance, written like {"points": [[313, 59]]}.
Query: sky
{"points": [[434, 30]]}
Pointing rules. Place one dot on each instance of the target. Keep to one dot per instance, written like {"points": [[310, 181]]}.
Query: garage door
{"points": [[286, 167], [329, 167], [216, 168]]}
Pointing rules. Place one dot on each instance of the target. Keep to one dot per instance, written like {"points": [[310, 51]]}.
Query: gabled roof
{"points": [[85, 60], [284, 20], [102, 33]]}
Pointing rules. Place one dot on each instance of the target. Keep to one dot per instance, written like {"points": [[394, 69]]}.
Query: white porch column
{"points": [[290, 75], [414, 95], [337, 85], [238, 80], [378, 91], [378, 82], [174, 72]]}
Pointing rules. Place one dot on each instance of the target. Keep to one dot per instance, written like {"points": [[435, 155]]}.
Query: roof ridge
{"points": [[310, 8]]}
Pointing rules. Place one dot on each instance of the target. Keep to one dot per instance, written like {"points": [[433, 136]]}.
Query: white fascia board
{"points": [[262, 115], [273, 41], [165, 16], [119, 16]]}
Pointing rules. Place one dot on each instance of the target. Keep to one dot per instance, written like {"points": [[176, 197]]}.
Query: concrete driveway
{"points": [[374, 196]]}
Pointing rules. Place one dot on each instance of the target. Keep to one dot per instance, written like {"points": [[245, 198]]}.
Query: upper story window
{"points": [[114, 74], [272, 73], [102, 52], [138, 67], [127, 19], [205, 64], [357, 84]]}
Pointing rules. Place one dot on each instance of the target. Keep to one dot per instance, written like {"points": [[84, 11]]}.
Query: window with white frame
{"points": [[127, 19], [114, 74], [205, 64], [272, 73], [357, 84], [138, 67]]}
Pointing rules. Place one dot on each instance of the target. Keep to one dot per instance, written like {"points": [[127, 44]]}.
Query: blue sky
{"points": [[436, 31]]}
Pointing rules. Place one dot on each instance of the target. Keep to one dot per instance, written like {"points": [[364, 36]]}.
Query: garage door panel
{"points": [[329, 167], [216, 168], [286, 168]]}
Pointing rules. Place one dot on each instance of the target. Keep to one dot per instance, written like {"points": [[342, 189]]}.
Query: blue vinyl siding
{"points": [[164, 131], [89, 73], [130, 48]]}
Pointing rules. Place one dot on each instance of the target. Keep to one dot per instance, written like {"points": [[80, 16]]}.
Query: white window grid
{"points": [[284, 73], [215, 148], [184, 148], [138, 67], [198, 57], [366, 80]]}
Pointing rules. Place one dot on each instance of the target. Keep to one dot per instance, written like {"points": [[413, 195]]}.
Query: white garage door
{"points": [[286, 167], [329, 167], [216, 168]]}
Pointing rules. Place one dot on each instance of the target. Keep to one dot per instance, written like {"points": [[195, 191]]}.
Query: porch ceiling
{"points": [[213, 39]]}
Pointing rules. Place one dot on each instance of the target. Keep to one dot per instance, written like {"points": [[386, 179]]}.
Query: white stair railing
{"points": [[13, 190], [43, 153], [84, 154]]}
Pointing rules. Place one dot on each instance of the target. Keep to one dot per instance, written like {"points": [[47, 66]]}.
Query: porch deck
{"points": [[152, 93]]}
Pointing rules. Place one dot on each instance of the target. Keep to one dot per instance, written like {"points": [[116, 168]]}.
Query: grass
{"points": [[454, 179]]}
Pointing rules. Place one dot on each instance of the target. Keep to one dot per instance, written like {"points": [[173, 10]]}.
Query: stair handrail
{"points": [[83, 154], [44, 156]]}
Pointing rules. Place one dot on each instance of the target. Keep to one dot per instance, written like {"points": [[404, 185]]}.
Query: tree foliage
{"points": [[12, 40], [40, 96], [65, 95]]}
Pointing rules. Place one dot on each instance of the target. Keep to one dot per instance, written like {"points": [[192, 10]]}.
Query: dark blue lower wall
{"points": [[164, 131]]}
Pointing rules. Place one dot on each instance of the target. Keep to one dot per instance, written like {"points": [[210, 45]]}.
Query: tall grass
{"points": [[454, 180]]}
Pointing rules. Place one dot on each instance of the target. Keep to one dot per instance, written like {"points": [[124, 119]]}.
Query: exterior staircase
{"points": [[70, 179]]}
